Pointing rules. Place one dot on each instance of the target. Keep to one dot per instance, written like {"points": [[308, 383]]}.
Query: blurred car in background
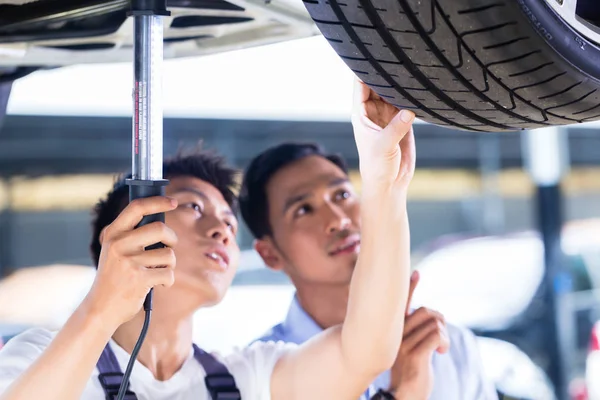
{"points": [[515, 375], [508, 271], [592, 365]]}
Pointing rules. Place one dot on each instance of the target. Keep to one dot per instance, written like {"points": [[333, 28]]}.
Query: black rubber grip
{"points": [[139, 189]]}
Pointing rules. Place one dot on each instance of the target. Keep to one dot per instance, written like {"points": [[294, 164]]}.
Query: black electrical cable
{"points": [[136, 350]]}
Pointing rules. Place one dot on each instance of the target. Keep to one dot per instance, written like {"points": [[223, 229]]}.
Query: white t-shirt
{"points": [[251, 367]]}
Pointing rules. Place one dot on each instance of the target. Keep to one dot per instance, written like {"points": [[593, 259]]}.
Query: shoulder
{"points": [[258, 354], [20, 352], [252, 366], [274, 334], [28, 344]]}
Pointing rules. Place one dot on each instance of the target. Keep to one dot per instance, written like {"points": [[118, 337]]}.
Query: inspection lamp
{"points": [[147, 133]]}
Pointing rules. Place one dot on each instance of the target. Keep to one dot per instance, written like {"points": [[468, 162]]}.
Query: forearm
{"points": [[63, 369], [374, 323]]}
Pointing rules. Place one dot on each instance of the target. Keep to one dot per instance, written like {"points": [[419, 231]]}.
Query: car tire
{"points": [[475, 65]]}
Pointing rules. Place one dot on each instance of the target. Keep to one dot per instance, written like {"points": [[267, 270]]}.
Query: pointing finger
{"points": [[414, 280]]}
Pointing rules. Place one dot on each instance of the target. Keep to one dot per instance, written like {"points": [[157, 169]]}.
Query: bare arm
{"points": [[344, 360], [62, 371]]}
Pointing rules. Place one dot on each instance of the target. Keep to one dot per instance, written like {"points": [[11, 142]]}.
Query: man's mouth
{"points": [[219, 256], [347, 246]]}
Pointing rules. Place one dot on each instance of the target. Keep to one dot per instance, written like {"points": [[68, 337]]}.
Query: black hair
{"points": [[254, 204], [198, 163]]}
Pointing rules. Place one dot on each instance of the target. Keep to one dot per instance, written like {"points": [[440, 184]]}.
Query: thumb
{"points": [[396, 130], [444, 345], [400, 125], [361, 94]]}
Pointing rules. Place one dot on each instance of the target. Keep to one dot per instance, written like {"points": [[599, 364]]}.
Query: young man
{"points": [[309, 223], [200, 234]]}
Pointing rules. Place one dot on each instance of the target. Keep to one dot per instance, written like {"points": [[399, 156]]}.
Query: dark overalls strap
{"points": [[111, 376], [219, 382]]}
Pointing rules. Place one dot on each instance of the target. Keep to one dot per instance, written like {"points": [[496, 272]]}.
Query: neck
{"points": [[167, 344], [326, 304]]}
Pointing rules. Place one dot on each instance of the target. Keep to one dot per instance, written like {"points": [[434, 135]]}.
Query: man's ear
{"points": [[101, 237], [269, 254]]}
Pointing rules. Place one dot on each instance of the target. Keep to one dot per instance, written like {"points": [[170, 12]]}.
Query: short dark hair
{"points": [[198, 163], [254, 204]]}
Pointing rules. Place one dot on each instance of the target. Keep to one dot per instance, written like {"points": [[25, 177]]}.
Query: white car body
{"points": [[261, 23], [507, 271]]}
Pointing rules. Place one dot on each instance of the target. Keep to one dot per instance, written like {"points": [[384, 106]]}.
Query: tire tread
{"points": [[472, 68]]}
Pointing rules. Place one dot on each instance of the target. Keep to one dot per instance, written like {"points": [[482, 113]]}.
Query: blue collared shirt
{"points": [[458, 374]]}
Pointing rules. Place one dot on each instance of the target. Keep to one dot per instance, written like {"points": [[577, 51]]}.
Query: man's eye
{"points": [[343, 194], [195, 207], [231, 226], [305, 209]]}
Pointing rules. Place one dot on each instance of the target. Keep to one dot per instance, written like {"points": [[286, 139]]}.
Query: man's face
{"points": [[314, 215], [207, 253]]}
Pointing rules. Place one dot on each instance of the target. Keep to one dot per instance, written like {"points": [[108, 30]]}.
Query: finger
{"points": [[361, 93], [414, 280], [357, 102], [420, 317], [131, 216], [163, 257], [400, 125], [437, 340], [366, 102], [160, 276], [407, 149], [444, 346], [373, 95], [380, 113], [409, 342], [144, 236]]}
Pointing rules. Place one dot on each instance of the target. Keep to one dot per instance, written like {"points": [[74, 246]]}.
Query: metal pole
{"points": [[5, 89], [547, 159], [490, 165]]}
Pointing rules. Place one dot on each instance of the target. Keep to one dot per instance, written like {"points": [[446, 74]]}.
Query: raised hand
{"points": [[384, 139], [127, 272]]}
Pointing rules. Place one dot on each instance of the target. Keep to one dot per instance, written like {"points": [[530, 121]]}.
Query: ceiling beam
{"points": [[50, 145]]}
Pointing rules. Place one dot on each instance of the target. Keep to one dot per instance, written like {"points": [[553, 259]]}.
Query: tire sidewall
{"points": [[567, 43]]}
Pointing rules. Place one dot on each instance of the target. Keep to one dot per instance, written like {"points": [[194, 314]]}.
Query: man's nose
{"points": [[338, 220], [218, 231]]}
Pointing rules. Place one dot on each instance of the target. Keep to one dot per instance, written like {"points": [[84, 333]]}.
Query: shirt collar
{"points": [[298, 325]]}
